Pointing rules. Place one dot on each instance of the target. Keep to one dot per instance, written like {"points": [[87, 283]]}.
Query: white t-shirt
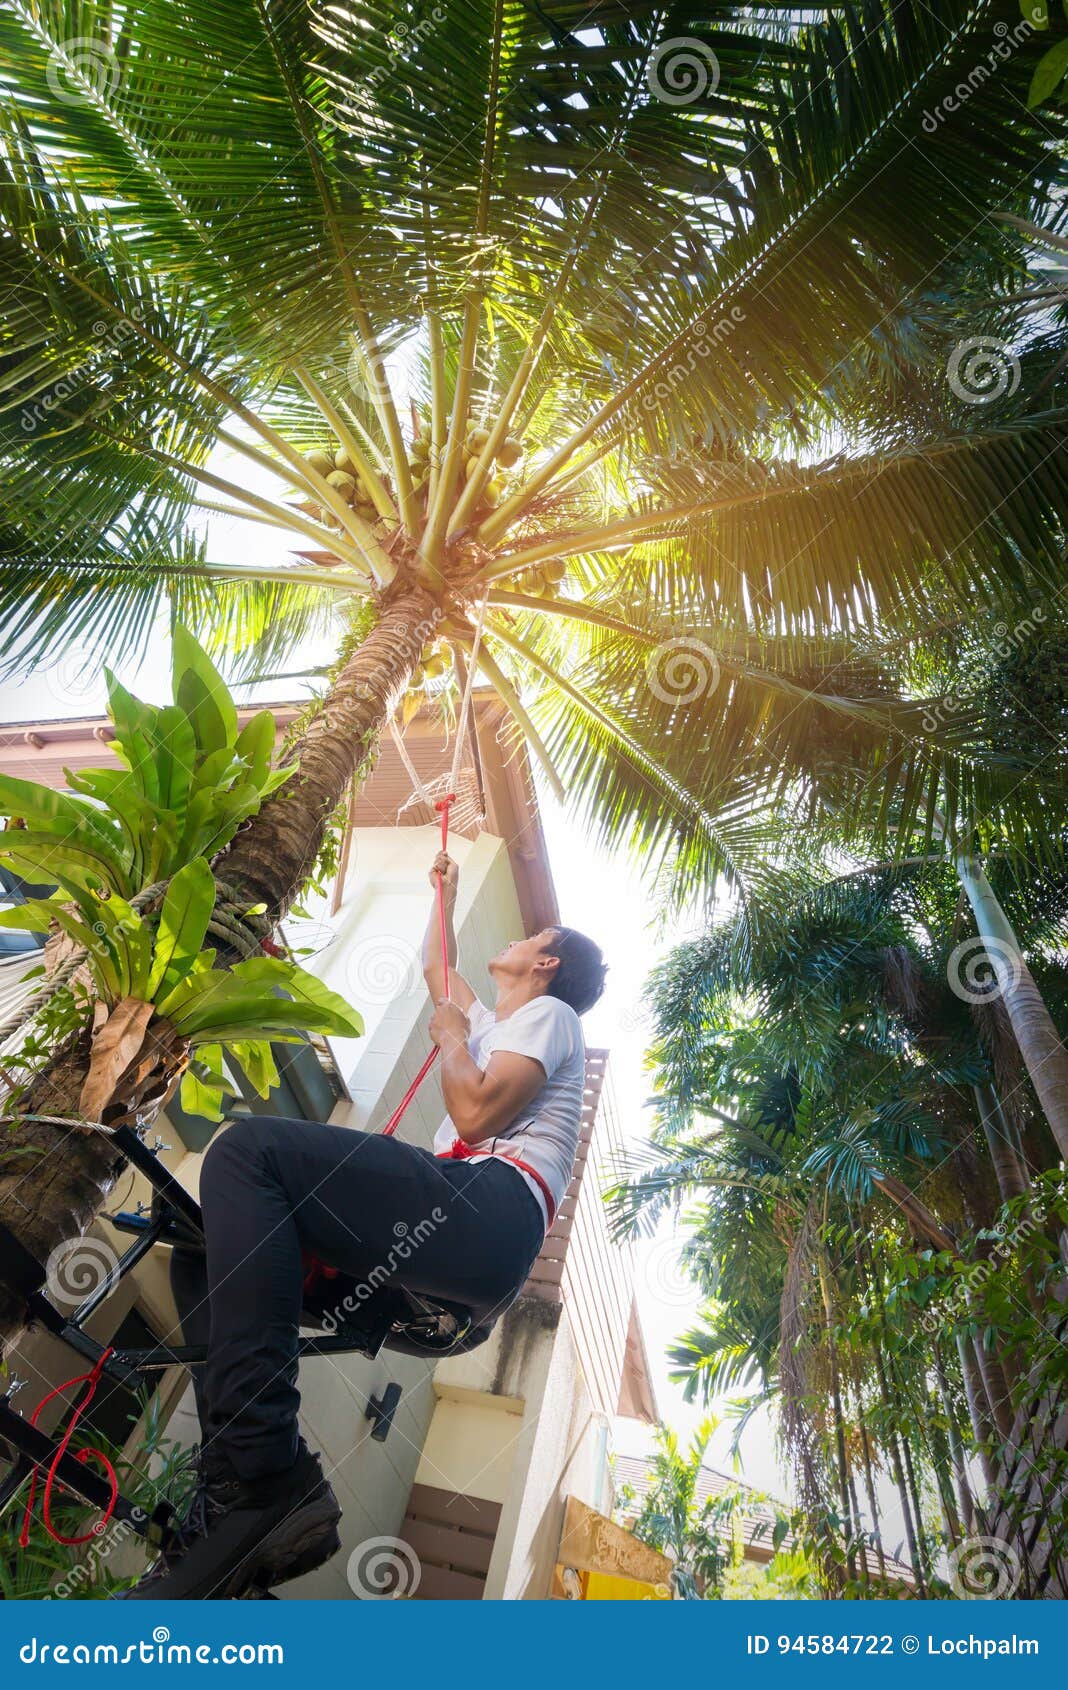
{"points": [[545, 1133]]}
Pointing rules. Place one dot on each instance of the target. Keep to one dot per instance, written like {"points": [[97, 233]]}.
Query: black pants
{"points": [[369, 1206]]}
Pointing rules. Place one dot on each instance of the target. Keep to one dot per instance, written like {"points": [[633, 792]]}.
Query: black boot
{"points": [[242, 1533]]}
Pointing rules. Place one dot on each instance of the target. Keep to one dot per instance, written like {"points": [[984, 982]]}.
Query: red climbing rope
{"points": [[90, 1380], [443, 806]]}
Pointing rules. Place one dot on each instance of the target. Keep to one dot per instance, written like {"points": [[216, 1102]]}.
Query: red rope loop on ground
{"points": [[90, 1380]]}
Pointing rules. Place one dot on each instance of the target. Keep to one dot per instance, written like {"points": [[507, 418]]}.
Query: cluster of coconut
{"points": [[543, 581], [340, 472]]}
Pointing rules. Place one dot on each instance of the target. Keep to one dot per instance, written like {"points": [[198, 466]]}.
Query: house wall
{"points": [[515, 1424]]}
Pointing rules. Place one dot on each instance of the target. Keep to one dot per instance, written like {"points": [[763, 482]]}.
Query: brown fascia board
{"points": [[637, 1394]]}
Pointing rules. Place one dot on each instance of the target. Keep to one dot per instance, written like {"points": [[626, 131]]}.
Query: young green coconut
{"points": [[319, 461], [343, 482], [511, 450]]}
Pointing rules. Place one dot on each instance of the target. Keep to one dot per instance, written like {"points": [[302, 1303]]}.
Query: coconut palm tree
{"points": [[604, 333], [554, 299]]}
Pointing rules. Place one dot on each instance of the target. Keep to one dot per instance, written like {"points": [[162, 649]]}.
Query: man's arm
{"points": [[481, 1103], [433, 972]]}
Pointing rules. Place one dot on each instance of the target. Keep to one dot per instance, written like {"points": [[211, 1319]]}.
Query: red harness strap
{"points": [[458, 1151], [90, 1380]]}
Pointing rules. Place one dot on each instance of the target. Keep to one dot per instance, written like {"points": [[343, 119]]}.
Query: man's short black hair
{"points": [[579, 980]]}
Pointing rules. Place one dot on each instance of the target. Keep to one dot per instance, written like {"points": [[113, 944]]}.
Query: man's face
{"points": [[523, 956]]}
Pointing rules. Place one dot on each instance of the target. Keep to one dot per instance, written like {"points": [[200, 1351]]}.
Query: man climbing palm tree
{"points": [[476, 1209]]}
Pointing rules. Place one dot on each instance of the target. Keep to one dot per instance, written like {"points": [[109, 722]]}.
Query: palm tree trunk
{"points": [[52, 1180], [894, 1451], [983, 1431], [839, 1422], [956, 1450], [917, 1508], [270, 858], [1008, 1169], [869, 1481], [942, 1466], [995, 1384], [1040, 1044]]}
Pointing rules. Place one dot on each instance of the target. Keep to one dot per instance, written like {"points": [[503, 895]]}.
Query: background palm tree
{"points": [[830, 1109], [699, 1533]]}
